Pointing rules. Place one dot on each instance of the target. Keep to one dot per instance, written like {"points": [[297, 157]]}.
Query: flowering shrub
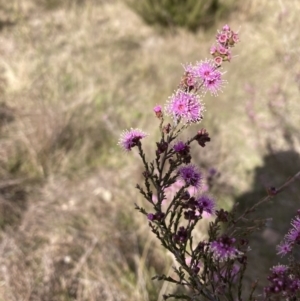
{"points": [[212, 269]]}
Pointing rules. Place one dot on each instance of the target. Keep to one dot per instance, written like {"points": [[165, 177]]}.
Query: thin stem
{"points": [[164, 158], [268, 197]]}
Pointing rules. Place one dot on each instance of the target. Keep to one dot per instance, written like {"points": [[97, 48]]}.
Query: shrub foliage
{"points": [[190, 14]]}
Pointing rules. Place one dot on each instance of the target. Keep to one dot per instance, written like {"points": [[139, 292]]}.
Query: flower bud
{"points": [[158, 111]]}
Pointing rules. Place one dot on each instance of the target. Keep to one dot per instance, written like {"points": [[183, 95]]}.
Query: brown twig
{"points": [[271, 193]]}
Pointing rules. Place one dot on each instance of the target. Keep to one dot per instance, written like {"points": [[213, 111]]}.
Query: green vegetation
{"points": [[190, 14]]}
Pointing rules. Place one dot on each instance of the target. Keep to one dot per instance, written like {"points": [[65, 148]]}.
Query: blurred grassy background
{"points": [[73, 75]]}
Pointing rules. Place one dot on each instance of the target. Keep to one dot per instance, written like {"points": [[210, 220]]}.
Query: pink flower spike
{"points": [[131, 138]]}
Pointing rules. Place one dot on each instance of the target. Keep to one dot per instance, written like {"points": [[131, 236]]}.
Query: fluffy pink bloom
{"points": [[214, 84], [206, 204], [278, 269], [223, 249], [181, 148], [290, 239], [190, 175], [293, 236], [210, 75], [284, 248], [185, 106], [204, 70], [131, 138]]}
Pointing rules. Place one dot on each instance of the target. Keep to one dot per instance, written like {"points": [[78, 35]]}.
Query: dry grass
{"points": [[73, 75]]}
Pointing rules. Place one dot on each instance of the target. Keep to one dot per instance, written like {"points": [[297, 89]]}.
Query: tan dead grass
{"points": [[73, 77], [66, 247]]}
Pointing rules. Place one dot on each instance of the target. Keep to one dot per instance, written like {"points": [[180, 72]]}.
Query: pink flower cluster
{"points": [[186, 105], [226, 38], [283, 282]]}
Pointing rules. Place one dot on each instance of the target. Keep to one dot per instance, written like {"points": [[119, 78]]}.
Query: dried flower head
{"points": [[131, 138]]}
